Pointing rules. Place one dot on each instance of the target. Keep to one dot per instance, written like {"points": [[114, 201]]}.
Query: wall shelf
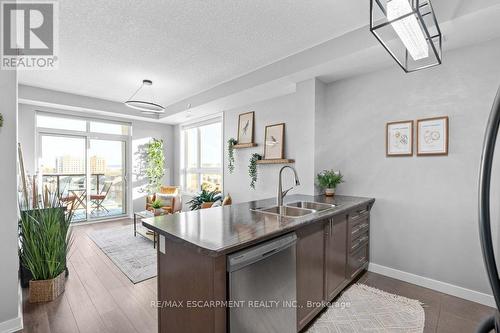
{"points": [[244, 145], [275, 161]]}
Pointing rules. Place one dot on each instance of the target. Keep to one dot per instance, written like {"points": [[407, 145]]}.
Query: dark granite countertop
{"points": [[222, 230]]}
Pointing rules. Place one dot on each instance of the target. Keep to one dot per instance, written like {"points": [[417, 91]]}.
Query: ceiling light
{"points": [[143, 99], [416, 43]]}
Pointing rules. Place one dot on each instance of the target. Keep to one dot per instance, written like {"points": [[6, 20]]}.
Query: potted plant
{"points": [[204, 199], [230, 154], [45, 240], [328, 180], [252, 169], [156, 206], [154, 165]]}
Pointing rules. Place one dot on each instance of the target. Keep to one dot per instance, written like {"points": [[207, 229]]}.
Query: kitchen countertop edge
{"points": [[302, 221]]}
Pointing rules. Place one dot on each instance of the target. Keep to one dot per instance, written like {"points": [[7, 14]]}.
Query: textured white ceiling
{"points": [[184, 46], [189, 46]]}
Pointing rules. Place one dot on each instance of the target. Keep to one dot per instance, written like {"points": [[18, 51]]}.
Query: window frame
{"points": [[88, 135], [198, 170]]}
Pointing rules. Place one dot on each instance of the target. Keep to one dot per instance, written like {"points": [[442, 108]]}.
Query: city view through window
{"points": [[88, 174]]}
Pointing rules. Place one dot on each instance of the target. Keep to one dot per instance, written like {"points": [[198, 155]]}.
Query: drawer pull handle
{"points": [[359, 242], [363, 259], [358, 229]]}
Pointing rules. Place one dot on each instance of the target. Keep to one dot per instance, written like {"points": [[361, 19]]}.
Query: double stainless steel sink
{"points": [[296, 209]]}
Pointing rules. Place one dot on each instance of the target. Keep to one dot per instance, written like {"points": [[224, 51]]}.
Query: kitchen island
{"points": [[332, 249]]}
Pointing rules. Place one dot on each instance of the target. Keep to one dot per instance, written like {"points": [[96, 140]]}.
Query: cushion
{"points": [[227, 200], [168, 190], [165, 199]]}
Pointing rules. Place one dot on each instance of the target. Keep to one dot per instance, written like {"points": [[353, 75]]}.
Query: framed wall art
{"points": [[274, 141], [432, 136], [399, 138], [245, 127]]}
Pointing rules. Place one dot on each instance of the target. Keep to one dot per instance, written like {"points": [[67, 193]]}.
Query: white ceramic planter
{"points": [[329, 192]]}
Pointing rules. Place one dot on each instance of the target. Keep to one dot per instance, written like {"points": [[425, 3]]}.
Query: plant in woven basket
{"points": [[45, 239], [230, 153], [204, 196], [252, 169]]}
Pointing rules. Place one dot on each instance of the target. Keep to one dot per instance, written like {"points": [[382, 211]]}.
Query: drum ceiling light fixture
{"points": [[409, 31], [143, 99]]}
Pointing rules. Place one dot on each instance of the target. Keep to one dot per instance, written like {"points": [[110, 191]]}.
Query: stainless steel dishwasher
{"points": [[262, 287]]}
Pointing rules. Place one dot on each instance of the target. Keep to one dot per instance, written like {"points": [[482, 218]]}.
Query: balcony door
{"points": [[85, 164], [64, 170]]}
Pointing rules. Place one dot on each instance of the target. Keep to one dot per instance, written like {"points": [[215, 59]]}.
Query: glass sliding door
{"points": [[107, 178], [63, 168], [85, 162]]}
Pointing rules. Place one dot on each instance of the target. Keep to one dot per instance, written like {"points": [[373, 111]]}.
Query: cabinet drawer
{"points": [[358, 260], [359, 229], [359, 214], [357, 243]]}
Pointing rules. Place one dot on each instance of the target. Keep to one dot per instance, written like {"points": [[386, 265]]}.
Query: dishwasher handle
{"points": [[259, 252]]}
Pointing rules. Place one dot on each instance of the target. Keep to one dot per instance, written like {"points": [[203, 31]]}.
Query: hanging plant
{"points": [[252, 169], [155, 165], [230, 153]]}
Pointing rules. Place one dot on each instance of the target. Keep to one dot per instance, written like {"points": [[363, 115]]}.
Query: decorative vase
{"points": [[329, 192], [46, 290]]}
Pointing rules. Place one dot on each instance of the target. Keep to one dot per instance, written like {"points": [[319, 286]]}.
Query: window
{"points": [[84, 162], [201, 156], [54, 122]]}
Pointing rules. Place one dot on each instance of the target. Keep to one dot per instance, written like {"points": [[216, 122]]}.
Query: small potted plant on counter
{"points": [[328, 180]]}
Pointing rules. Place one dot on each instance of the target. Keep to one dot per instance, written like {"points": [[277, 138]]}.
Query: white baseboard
{"points": [[12, 325], [447, 288]]}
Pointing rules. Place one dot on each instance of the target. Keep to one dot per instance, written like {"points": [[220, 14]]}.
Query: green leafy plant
{"points": [[252, 169], [155, 165], [230, 153], [156, 204], [329, 179], [202, 197], [45, 239]]}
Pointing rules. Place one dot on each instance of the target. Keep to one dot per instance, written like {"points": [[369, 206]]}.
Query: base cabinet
{"points": [[330, 255], [335, 256]]}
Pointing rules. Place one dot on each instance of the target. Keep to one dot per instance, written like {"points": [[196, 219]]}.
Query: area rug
{"points": [[363, 309], [134, 256]]}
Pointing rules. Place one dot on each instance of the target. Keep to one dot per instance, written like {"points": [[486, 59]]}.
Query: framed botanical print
{"points": [[274, 141], [399, 138], [432, 136], [245, 127]]}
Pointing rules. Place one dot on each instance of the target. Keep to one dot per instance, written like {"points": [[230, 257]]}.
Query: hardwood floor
{"points": [[100, 298]]}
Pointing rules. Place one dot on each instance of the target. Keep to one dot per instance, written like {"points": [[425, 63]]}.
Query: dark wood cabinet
{"points": [[310, 274], [358, 230], [335, 256]]}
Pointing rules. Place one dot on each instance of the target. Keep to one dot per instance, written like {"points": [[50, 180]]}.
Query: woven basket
{"points": [[46, 290]]}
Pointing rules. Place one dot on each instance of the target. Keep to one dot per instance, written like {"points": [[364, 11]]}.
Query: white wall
{"points": [[10, 318], [142, 132], [425, 218], [297, 112]]}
